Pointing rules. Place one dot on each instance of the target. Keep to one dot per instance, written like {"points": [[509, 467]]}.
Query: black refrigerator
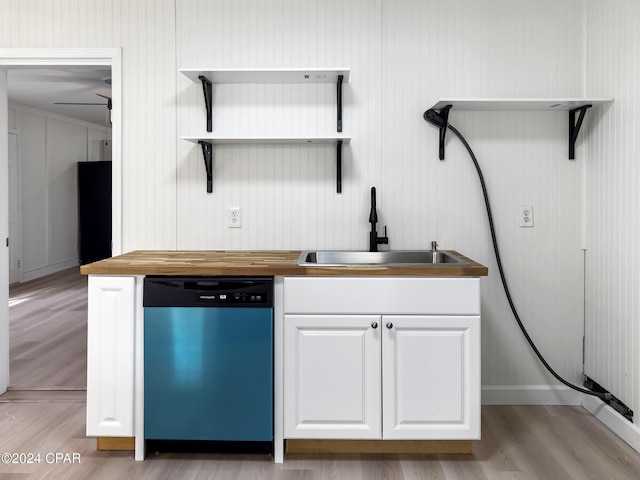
{"points": [[94, 211]]}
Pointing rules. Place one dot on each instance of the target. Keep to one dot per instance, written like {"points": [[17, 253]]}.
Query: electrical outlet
{"points": [[526, 216], [235, 217]]}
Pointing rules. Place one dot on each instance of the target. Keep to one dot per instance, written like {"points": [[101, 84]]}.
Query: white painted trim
{"points": [[29, 57], [25, 276], [116, 150], [278, 371], [138, 373], [17, 239], [627, 431], [529, 395], [4, 232]]}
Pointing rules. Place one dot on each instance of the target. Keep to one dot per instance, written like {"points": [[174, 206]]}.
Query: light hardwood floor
{"points": [[518, 442], [48, 332]]}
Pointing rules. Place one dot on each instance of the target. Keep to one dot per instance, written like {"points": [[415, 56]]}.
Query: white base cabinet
{"points": [[429, 369], [332, 376], [356, 358], [110, 362], [365, 375]]}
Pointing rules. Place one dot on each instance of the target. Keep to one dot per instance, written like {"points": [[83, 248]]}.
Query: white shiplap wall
{"points": [[403, 55], [491, 49], [287, 193], [51, 146], [145, 29], [613, 201]]}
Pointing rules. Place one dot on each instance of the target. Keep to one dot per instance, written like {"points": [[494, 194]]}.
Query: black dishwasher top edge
{"points": [[203, 291]]}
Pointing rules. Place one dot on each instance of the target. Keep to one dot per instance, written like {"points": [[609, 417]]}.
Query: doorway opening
{"points": [[56, 58]]}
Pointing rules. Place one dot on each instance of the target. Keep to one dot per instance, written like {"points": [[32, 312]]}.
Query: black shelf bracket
{"points": [[339, 101], [339, 166], [208, 100], [574, 128], [444, 113], [207, 152]]}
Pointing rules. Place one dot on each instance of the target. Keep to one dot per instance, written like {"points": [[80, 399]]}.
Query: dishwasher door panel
{"points": [[208, 373]]}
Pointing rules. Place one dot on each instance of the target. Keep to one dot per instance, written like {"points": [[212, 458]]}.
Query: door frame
{"points": [[53, 57], [15, 242]]}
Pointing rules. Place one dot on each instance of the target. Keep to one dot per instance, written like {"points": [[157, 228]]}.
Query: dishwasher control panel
{"points": [[236, 298], [208, 291]]}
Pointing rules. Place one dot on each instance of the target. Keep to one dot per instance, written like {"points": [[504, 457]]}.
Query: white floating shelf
{"points": [[207, 77], [268, 75], [521, 104], [230, 140], [208, 141], [574, 107]]}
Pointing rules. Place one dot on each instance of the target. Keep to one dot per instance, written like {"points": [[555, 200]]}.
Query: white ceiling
{"points": [[42, 87]]}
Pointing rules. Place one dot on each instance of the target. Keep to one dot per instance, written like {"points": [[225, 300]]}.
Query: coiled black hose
{"points": [[433, 117]]}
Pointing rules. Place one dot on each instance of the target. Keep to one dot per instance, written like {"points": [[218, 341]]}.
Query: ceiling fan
{"points": [[108, 104]]}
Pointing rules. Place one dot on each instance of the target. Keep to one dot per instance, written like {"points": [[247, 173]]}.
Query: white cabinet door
{"points": [[431, 377], [332, 376], [110, 360]]}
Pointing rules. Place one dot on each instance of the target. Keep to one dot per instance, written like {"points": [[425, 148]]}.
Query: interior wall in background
{"points": [[490, 49], [287, 192], [403, 56], [145, 32], [51, 147], [612, 357]]}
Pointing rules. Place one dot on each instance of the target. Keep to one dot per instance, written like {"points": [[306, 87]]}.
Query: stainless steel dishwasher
{"points": [[208, 361]]}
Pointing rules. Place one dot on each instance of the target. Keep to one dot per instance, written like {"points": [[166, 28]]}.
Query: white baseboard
{"points": [[627, 431], [48, 270], [529, 395]]}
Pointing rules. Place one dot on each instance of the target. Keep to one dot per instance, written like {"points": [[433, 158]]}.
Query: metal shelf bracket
{"points": [[444, 113], [339, 129], [339, 166], [339, 101], [574, 128], [207, 152], [208, 99]]}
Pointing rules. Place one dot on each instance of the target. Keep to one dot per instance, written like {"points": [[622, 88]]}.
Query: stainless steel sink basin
{"points": [[402, 258]]}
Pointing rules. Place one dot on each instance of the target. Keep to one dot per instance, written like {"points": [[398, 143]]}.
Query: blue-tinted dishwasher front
{"points": [[208, 359]]}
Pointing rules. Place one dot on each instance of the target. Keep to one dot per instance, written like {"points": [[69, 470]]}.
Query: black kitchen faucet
{"points": [[374, 239]]}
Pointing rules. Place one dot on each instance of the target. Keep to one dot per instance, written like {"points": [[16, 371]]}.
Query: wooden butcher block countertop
{"points": [[257, 262]]}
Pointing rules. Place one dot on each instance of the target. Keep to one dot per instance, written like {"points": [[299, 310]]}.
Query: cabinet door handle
{"points": [[389, 325], [374, 325]]}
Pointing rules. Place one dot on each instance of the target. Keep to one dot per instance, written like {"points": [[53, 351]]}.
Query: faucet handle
{"points": [[385, 239], [434, 246]]}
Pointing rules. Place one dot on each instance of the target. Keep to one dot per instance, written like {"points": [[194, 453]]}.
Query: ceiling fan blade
{"points": [[74, 103], [109, 104]]}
